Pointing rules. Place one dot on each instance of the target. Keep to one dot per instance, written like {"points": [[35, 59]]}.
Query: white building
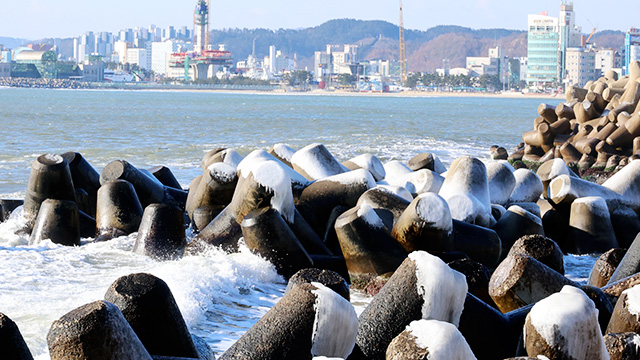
{"points": [[608, 59], [160, 52], [121, 47], [491, 65], [138, 57], [580, 66]]}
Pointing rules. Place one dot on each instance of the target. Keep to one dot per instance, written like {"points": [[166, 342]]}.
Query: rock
{"points": [[520, 280], [425, 224], [148, 305], [328, 278], [310, 320], [623, 346], [58, 221], [540, 248], [97, 330], [429, 339], [565, 326], [161, 234], [423, 287], [119, 211], [605, 266], [11, 341]]}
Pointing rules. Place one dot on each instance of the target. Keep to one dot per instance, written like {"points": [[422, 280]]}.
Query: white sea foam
{"points": [[220, 295], [570, 319], [442, 288], [335, 325], [441, 339]]}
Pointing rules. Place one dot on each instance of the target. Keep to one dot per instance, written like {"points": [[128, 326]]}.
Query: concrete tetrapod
{"points": [[565, 326], [429, 339], [366, 244], [215, 188], [161, 234], [605, 266], [514, 224], [119, 211], [7, 206], [310, 321], [149, 189], [520, 280], [58, 220], [328, 278], [84, 177], [267, 234], [165, 176], [50, 178], [590, 228], [388, 201], [96, 331], [542, 249], [623, 346], [630, 263], [427, 161], [12, 343], [148, 305], [423, 287], [479, 243], [315, 162], [501, 182], [626, 315], [368, 162], [425, 224]]}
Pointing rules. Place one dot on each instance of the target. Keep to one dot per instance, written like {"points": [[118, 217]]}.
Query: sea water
{"points": [[220, 295]]}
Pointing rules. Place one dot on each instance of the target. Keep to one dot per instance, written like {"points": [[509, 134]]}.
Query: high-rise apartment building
{"points": [[543, 51], [580, 66], [570, 35], [631, 48]]}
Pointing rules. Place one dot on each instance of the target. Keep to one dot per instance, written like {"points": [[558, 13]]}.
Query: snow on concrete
{"points": [[626, 182], [442, 288], [396, 190], [354, 177], [371, 163], [528, 186], [501, 182], [231, 157], [317, 162], [441, 339], [395, 168], [335, 326], [223, 172], [258, 156], [284, 151], [435, 211], [273, 177], [596, 205], [467, 208], [366, 213], [633, 300], [466, 189], [438, 166], [569, 319], [417, 182], [54, 158], [525, 213]]}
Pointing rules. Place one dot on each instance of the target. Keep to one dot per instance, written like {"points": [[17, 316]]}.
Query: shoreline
{"points": [[317, 92]]}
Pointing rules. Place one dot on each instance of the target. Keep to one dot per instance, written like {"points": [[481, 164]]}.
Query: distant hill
{"points": [[10, 43], [379, 40]]}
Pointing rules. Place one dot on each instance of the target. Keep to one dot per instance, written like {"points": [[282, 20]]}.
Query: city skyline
{"points": [[36, 19]]}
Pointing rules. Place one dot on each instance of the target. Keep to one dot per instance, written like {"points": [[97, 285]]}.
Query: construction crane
{"points": [[592, 32], [403, 57]]}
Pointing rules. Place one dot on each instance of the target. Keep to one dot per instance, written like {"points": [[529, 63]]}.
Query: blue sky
{"points": [[32, 19]]}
